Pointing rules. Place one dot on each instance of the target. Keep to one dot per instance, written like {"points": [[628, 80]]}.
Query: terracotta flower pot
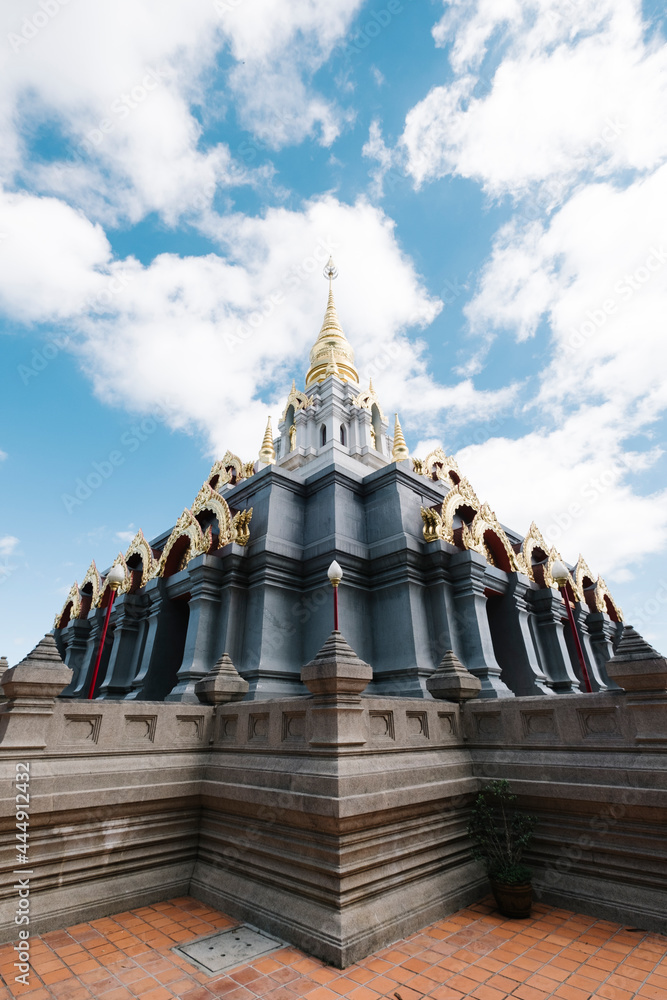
{"points": [[513, 901]]}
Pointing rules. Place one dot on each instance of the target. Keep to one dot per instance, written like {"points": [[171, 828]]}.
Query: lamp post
{"points": [[560, 573], [115, 578], [335, 574]]}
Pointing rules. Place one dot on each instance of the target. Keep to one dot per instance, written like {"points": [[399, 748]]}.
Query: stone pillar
{"points": [[31, 689], [201, 643], [580, 614], [549, 611], [519, 657], [76, 647], [128, 616], [467, 571], [154, 593], [603, 635]]}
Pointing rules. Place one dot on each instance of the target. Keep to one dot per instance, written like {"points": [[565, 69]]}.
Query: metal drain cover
{"points": [[227, 949]]}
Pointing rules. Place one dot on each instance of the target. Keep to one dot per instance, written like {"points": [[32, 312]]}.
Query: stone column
{"points": [[580, 614], [128, 616], [467, 572], [556, 660], [77, 644], [525, 674], [31, 688], [201, 643], [154, 594], [603, 634]]}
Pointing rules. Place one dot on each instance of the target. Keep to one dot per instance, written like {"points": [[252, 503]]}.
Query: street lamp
{"points": [[335, 574], [561, 575], [115, 579]]}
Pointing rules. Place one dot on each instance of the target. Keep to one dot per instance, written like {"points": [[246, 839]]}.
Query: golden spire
{"points": [[267, 453], [331, 344], [400, 450]]}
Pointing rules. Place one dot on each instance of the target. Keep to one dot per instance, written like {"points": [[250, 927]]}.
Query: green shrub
{"points": [[500, 834]]}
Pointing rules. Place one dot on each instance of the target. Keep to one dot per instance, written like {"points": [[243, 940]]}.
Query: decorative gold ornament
{"points": [[533, 540], [267, 453], [583, 573], [92, 577], [432, 524], [140, 547], [218, 476], [373, 438], [208, 499], [606, 603], [399, 452], [187, 526], [299, 400], [292, 437], [487, 536], [367, 398], [241, 526], [438, 466], [72, 603], [331, 339]]}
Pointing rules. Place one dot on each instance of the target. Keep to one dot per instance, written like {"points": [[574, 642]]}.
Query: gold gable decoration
{"points": [[366, 399], [299, 400], [221, 474], [188, 527], [605, 602], [486, 523], [140, 547], [438, 466], [208, 499], [92, 577], [74, 599]]}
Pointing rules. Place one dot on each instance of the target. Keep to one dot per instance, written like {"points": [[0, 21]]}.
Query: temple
{"points": [[427, 568], [209, 734]]}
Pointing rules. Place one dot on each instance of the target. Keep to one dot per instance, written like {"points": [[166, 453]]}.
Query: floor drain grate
{"points": [[228, 949]]}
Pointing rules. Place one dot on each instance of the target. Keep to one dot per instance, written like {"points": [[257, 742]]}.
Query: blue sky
{"points": [[492, 181]]}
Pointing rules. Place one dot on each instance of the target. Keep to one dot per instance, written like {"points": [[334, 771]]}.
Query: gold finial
{"points": [[267, 453], [400, 450], [331, 340]]}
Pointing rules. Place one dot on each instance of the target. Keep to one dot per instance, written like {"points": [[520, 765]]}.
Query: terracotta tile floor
{"points": [[474, 953]]}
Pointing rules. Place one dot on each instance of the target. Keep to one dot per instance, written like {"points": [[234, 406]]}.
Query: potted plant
{"points": [[500, 834]]}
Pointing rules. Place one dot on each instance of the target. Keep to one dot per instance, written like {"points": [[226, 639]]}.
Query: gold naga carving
{"points": [[437, 465], [432, 524], [73, 598], [241, 526], [187, 526], [125, 585], [299, 400], [533, 540], [220, 470], [582, 572], [461, 495], [140, 547], [366, 398]]}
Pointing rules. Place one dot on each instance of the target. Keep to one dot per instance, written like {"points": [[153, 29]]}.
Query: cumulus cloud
{"points": [[120, 112], [8, 545]]}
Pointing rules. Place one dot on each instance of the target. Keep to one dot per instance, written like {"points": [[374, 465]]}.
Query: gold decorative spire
{"points": [[400, 450], [267, 453], [331, 343], [332, 367]]}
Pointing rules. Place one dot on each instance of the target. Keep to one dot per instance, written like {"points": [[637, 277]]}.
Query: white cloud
{"points": [[3, 455], [8, 545], [376, 149], [576, 89], [124, 104]]}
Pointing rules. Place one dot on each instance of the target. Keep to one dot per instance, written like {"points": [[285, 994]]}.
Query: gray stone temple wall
{"points": [[337, 821]]}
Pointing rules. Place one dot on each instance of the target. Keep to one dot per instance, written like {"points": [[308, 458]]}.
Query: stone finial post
{"points": [[223, 683], [4, 666], [31, 688], [336, 678], [452, 682], [641, 671]]}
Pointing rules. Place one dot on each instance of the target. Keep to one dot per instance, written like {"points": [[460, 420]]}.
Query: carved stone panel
{"points": [[294, 727], [190, 727], [417, 724], [258, 726], [382, 725], [82, 728], [140, 728]]}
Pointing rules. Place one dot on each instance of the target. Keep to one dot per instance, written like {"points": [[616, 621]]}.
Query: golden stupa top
{"points": [[331, 353]]}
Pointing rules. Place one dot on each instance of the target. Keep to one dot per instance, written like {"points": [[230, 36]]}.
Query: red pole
{"points": [[580, 652], [99, 651], [335, 590]]}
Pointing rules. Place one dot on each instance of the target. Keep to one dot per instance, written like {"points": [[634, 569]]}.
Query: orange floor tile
{"points": [[474, 953]]}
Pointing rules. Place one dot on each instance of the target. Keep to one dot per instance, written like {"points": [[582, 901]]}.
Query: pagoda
{"points": [[428, 568]]}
